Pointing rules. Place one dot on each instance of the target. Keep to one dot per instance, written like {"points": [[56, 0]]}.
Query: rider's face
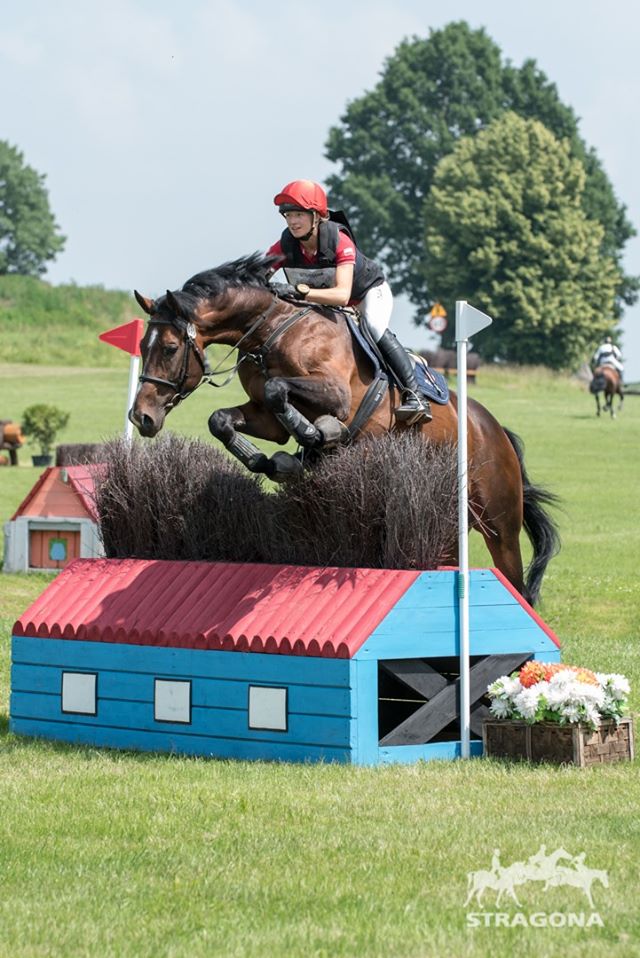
{"points": [[299, 222]]}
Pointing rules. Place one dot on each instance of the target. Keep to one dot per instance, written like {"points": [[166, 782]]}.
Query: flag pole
{"points": [[469, 320], [134, 372], [127, 337]]}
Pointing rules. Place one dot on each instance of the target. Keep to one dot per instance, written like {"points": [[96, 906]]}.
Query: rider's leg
{"points": [[376, 310]]}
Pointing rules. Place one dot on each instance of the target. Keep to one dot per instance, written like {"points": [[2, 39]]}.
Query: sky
{"points": [[165, 129]]}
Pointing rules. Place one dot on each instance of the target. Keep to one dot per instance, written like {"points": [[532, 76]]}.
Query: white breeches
{"points": [[376, 309], [612, 361]]}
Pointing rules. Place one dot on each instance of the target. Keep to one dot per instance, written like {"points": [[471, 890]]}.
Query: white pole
{"points": [[469, 321], [134, 369], [463, 540]]}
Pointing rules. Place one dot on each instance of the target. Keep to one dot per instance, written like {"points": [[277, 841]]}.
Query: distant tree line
{"points": [[468, 178]]}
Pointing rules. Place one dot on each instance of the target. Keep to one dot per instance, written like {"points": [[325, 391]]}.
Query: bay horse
{"points": [[305, 378], [607, 380]]}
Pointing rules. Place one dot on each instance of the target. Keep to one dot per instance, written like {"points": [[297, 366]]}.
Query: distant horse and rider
{"points": [[607, 377]]}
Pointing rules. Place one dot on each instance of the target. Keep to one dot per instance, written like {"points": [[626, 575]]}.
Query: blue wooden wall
{"points": [[321, 725]]}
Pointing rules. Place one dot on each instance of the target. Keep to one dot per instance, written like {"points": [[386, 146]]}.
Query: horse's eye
{"points": [[169, 350]]}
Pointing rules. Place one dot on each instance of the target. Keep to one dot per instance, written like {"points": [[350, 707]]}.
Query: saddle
{"points": [[433, 385]]}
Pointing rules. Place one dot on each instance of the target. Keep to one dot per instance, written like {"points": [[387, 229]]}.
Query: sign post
{"points": [[127, 337], [437, 319], [469, 321]]}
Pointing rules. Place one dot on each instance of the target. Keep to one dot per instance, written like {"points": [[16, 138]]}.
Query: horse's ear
{"points": [[147, 305], [176, 306]]}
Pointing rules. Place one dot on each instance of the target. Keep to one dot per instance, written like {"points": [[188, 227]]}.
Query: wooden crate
{"points": [[571, 744]]}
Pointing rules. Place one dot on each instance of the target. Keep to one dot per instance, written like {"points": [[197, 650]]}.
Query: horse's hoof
{"points": [[333, 431], [286, 467]]}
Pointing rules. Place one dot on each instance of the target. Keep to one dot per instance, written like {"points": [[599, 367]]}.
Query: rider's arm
{"points": [[338, 295], [276, 250]]}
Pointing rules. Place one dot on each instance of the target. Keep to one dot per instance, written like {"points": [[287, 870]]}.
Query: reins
{"points": [[189, 332]]}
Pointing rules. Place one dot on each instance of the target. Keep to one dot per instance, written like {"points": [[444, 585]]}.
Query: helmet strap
{"points": [[314, 223]]}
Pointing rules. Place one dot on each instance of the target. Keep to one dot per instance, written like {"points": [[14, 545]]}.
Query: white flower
{"points": [[571, 713], [527, 701], [616, 685], [591, 715], [500, 708]]}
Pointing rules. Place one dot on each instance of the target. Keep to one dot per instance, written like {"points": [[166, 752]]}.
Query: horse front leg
{"points": [[227, 426], [328, 401]]}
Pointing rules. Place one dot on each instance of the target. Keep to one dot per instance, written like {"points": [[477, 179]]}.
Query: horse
{"points": [[607, 380], [305, 377], [579, 877], [503, 881]]}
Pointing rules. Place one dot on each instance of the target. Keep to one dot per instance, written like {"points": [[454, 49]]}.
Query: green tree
{"points": [[432, 92], [507, 230], [29, 235]]}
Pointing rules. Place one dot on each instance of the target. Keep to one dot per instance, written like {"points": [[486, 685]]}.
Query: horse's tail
{"points": [[598, 383], [538, 524]]}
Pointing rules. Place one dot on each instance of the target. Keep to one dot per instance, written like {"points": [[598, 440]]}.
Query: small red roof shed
{"points": [[62, 491]]}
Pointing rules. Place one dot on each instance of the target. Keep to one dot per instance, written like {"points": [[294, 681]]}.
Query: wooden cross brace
{"points": [[443, 705]]}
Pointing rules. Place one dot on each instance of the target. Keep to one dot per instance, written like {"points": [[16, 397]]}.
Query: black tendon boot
{"points": [[413, 408]]}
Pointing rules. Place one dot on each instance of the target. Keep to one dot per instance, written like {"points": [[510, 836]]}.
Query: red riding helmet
{"points": [[302, 195]]}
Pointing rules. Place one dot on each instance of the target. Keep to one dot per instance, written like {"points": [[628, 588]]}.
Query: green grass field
{"points": [[119, 854]]}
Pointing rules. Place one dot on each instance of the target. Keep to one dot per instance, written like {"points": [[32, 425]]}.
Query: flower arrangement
{"points": [[551, 692]]}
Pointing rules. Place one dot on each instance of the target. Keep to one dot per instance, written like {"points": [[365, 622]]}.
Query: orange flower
{"points": [[585, 675], [530, 673], [533, 672]]}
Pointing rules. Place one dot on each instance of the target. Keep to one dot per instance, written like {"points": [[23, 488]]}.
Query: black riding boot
{"points": [[413, 406]]}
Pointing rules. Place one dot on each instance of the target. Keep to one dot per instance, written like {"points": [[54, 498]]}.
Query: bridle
{"points": [[188, 330]]}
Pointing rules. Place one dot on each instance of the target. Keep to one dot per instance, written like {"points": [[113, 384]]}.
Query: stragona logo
{"points": [[553, 870]]}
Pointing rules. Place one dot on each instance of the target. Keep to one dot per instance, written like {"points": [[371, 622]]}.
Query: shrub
{"points": [[388, 502], [79, 453], [178, 498], [42, 424]]}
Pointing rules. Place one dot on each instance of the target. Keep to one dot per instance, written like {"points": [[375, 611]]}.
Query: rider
{"points": [[324, 266], [608, 354]]}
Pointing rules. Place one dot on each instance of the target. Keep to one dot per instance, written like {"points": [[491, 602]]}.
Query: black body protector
{"points": [[322, 273]]}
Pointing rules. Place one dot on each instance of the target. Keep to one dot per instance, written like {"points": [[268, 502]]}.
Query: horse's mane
{"points": [[253, 270]]}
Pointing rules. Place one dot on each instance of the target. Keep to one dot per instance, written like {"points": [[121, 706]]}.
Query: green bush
{"points": [[42, 423]]}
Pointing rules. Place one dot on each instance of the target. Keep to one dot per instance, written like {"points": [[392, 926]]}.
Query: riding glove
{"points": [[284, 290]]}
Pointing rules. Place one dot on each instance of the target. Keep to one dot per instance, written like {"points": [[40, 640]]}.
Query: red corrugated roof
{"points": [[246, 607], [65, 491]]}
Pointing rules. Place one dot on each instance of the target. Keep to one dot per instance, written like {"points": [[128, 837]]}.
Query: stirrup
{"points": [[413, 409]]}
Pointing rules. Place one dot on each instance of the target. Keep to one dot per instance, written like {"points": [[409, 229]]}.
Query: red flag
{"points": [[125, 337]]}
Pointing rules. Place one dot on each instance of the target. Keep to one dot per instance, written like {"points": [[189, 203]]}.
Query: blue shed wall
{"points": [[321, 717], [424, 622]]}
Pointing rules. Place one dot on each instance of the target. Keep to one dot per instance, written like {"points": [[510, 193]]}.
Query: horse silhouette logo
{"points": [[541, 867]]}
